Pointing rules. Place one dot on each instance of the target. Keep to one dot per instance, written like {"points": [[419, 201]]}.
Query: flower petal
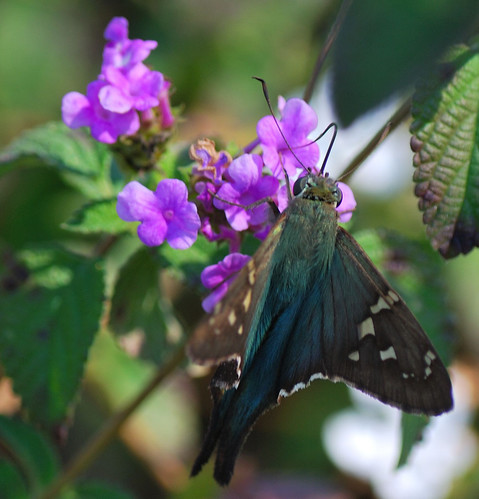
{"points": [[152, 232], [137, 203]]}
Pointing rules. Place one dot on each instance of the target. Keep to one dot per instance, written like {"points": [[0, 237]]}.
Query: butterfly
{"points": [[310, 304]]}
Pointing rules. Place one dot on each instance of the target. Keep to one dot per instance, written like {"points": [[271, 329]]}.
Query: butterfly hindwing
{"points": [[364, 334]]}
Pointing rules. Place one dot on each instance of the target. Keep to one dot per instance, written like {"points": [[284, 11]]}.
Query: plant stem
{"points": [[107, 433], [333, 33], [396, 119]]}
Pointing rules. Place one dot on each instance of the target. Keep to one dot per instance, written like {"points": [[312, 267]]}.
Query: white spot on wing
{"points": [[389, 353], [429, 357], [394, 297], [240, 330], [231, 318], [354, 356], [380, 305], [366, 327], [247, 300]]}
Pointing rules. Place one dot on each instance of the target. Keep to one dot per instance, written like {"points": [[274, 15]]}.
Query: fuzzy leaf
{"points": [[83, 162], [446, 145], [50, 306], [33, 460], [384, 46], [97, 216], [139, 314]]}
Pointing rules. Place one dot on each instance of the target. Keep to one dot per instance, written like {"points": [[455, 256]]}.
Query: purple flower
{"points": [[106, 126], [298, 119], [348, 203], [131, 84], [120, 51], [139, 88], [164, 214], [219, 276], [224, 234], [124, 85], [167, 118], [210, 163], [246, 185]]}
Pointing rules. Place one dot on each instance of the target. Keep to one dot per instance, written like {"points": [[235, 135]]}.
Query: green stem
{"points": [[333, 33], [396, 119], [107, 433]]}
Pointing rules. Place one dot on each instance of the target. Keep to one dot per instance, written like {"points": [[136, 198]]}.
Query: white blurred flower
{"points": [[366, 442]]}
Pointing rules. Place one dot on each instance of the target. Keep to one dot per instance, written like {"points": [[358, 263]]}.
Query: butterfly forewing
{"points": [[224, 334], [361, 332]]}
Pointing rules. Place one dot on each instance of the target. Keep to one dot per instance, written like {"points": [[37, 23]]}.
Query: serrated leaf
{"points": [[446, 145], [412, 428], [138, 309], [47, 323], [384, 46], [415, 270], [83, 162], [97, 216], [30, 453]]}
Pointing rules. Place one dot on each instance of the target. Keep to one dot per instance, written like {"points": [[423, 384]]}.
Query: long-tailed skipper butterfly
{"points": [[310, 304]]}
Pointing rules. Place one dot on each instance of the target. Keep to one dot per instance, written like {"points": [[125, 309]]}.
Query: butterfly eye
{"points": [[299, 185], [339, 194]]}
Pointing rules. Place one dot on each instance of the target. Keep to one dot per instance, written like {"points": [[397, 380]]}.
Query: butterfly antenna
{"points": [[266, 96], [331, 142]]}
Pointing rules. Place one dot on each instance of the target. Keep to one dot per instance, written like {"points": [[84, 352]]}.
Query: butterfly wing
{"points": [[358, 330], [223, 336]]}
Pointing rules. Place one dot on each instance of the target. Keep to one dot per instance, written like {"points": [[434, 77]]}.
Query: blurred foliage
{"points": [[209, 50]]}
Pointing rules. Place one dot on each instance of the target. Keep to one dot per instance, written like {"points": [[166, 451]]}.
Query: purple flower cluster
{"points": [[230, 194], [124, 88]]}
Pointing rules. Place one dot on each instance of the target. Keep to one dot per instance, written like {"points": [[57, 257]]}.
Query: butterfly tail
{"points": [[214, 429]]}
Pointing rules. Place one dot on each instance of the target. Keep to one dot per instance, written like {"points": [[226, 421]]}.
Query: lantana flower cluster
{"points": [[125, 93], [227, 197]]}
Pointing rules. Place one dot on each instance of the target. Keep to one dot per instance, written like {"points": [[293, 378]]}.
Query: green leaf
{"points": [[83, 162], [189, 263], [446, 142], [412, 426], [384, 46], [48, 320], [415, 271], [97, 216], [139, 311], [32, 456], [13, 486]]}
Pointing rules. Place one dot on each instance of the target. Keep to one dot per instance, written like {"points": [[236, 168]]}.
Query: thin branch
{"points": [[396, 119], [108, 432], [333, 33]]}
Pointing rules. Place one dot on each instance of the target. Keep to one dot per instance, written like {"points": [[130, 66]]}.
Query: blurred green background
{"points": [[210, 50]]}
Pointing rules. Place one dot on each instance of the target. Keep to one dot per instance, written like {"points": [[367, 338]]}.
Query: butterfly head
{"points": [[318, 188]]}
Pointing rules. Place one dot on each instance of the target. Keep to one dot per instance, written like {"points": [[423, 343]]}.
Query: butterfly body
{"points": [[310, 304]]}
